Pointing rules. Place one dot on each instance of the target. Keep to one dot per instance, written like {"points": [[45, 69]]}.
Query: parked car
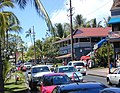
{"points": [[28, 65], [114, 77], [69, 70], [50, 81], [87, 87], [36, 73], [110, 90], [79, 65]]}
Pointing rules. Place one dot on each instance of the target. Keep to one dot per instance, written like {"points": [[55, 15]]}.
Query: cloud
{"points": [[88, 8], [29, 44]]}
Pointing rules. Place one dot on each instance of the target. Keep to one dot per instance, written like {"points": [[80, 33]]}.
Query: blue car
{"points": [[111, 90], [87, 87]]}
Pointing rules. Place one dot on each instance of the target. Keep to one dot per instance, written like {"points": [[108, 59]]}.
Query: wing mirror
{"points": [[29, 72], [39, 84]]}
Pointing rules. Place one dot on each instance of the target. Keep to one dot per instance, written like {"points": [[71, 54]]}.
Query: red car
{"points": [[50, 81]]}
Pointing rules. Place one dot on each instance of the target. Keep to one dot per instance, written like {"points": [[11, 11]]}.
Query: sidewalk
{"points": [[102, 72]]}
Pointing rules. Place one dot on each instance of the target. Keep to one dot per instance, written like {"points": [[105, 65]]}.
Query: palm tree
{"points": [[79, 21], [106, 20], [40, 10], [61, 31], [29, 34], [4, 16]]}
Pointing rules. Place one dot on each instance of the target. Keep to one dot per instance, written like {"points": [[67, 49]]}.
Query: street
{"points": [[95, 78], [89, 78]]}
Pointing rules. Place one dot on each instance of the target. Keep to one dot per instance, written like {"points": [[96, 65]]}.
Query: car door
{"points": [[117, 77], [113, 76]]}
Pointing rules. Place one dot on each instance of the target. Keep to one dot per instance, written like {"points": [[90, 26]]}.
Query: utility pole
{"points": [[34, 46], [108, 53], [1, 68], [71, 32]]}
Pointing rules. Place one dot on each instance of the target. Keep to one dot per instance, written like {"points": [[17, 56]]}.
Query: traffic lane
{"points": [[96, 79]]}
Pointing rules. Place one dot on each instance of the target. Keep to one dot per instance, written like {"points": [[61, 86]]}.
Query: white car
{"points": [[28, 65], [114, 77], [79, 65], [36, 73], [70, 71]]}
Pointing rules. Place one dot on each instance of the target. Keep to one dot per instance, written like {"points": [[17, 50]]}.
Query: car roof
{"points": [[84, 85], [116, 90], [55, 74], [64, 66], [77, 61], [39, 66]]}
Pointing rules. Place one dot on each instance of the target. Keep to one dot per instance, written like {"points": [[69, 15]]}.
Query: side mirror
{"points": [[29, 72], [39, 84]]}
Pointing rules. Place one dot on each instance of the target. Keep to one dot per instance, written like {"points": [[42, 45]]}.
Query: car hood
{"points": [[70, 74], [48, 89], [39, 74]]}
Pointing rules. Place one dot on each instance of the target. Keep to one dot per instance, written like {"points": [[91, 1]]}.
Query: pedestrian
{"points": [[118, 62]]}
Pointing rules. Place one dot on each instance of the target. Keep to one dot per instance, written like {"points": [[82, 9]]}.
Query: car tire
{"points": [[118, 84], [108, 81]]}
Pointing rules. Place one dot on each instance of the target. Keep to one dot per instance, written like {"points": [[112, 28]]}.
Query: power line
{"points": [[99, 7]]}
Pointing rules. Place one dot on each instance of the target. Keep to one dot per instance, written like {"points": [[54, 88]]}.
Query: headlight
{"points": [[35, 78]]}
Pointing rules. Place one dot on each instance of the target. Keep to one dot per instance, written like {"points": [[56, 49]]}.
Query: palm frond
{"points": [[6, 3], [41, 11]]}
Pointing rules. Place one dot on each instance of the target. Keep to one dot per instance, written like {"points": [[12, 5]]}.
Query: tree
{"points": [[106, 20], [4, 16], [79, 21], [61, 31], [102, 56], [40, 10]]}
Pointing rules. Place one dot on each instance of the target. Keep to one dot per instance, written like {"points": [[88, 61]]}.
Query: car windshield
{"points": [[78, 64], [27, 63], [56, 80], [67, 69], [40, 69]]}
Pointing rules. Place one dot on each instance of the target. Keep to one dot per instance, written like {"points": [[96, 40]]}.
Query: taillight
{"points": [[74, 66]]}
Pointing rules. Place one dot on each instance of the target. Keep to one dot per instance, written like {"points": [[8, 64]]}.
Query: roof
{"points": [[65, 66], [89, 32], [116, 4], [92, 32], [75, 87], [80, 61], [39, 66], [55, 74]]}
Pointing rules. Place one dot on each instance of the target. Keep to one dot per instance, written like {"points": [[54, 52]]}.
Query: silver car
{"points": [[70, 71], [114, 77]]}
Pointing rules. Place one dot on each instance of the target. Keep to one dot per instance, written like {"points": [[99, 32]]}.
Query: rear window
{"points": [[78, 64], [40, 69]]}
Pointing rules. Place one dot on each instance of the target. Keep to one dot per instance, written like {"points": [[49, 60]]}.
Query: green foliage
{"points": [[101, 55]]}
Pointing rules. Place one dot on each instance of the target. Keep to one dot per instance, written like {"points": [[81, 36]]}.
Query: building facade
{"points": [[84, 42], [114, 35]]}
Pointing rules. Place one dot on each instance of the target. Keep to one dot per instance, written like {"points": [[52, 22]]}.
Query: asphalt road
{"points": [[96, 79]]}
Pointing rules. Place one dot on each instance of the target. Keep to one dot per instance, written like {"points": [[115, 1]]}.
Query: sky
{"points": [[58, 13]]}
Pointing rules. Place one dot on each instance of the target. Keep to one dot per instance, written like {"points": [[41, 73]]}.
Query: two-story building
{"points": [[84, 40], [114, 35]]}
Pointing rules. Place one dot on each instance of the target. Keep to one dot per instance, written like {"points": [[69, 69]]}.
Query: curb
{"points": [[97, 75]]}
